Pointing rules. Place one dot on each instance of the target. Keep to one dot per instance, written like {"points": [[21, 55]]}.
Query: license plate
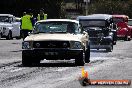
{"points": [[51, 53]]}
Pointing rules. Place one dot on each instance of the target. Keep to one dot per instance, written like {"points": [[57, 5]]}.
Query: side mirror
{"points": [[84, 32]]}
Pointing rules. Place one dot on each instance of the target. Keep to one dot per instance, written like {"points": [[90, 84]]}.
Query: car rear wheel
{"points": [[129, 39], [126, 38], [26, 60], [0, 35]]}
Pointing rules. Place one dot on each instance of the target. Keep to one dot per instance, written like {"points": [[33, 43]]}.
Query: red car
{"points": [[130, 24], [123, 30]]}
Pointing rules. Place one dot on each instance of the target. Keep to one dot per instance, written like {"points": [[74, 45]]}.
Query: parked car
{"points": [[102, 35], [9, 27], [129, 22], [56, 39], [130, 25], [124, 31]]}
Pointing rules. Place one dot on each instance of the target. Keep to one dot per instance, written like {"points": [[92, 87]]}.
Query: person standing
{"points": [[42, 15], [26, 24]]}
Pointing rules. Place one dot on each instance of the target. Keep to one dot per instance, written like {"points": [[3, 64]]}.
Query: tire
{"points": [[79, 61], [110, 49], [87, 55], [129, 39], [114, 42], [0, 35], [29, 61], [126, 38], [9, 36], [26, 61]]}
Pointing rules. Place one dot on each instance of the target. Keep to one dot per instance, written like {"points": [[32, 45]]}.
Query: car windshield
{"points": [[130, 22], [56, 26], [93, 23], [117, 20], [4, 19]]}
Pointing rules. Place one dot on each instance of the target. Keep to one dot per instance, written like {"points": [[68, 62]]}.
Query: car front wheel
{"points": [[29, 61], [26, 61], [9, 36], [87, 55], [110, 49], [79, 61]]}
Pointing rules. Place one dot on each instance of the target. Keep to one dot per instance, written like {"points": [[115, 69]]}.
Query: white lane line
{"points": [[15, 70]]}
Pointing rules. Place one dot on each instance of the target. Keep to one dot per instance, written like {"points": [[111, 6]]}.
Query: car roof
{"points": [[10, 15], [96, 16], [67, 20], [124, 16]]}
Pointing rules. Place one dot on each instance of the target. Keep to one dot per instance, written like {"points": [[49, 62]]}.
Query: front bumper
{"points": [[100, 43], [53, 54], [99, 46], [121, 36]]}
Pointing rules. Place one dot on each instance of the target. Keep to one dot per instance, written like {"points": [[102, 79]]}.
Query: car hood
{"points": [[5, 24], [54, 37]]}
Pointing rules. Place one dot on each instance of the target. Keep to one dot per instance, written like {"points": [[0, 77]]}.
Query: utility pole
{"points": [[86, 6]]}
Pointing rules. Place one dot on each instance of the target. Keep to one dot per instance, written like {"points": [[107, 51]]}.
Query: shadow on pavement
{"points": [[16, 51], [50, 65], [98, 51]]}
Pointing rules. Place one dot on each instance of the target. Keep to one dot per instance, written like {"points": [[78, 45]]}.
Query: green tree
{"points": [[110, 7]]}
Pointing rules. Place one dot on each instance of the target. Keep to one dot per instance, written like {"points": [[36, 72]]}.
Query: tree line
{"points": [[56, 9], [17, 7], [111, 7]]}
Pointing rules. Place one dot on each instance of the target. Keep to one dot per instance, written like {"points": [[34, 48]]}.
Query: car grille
{"points": [[51, 44], [95, 36], [95, 33]]}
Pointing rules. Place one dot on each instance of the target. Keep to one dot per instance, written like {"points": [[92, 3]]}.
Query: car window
{"points": [[92, 23], [130, 22], [56, 26], [4, 19], [117, 20]]}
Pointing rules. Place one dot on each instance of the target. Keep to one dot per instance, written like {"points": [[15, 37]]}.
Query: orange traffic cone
{"points": [[83, 72], [84, 79], [86, 74]]}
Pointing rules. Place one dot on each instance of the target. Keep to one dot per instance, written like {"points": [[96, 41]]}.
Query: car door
{"points": [[16, 28]]}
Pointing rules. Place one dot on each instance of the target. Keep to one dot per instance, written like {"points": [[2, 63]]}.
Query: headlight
{"points": [[76, 45], [26, 45]]}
